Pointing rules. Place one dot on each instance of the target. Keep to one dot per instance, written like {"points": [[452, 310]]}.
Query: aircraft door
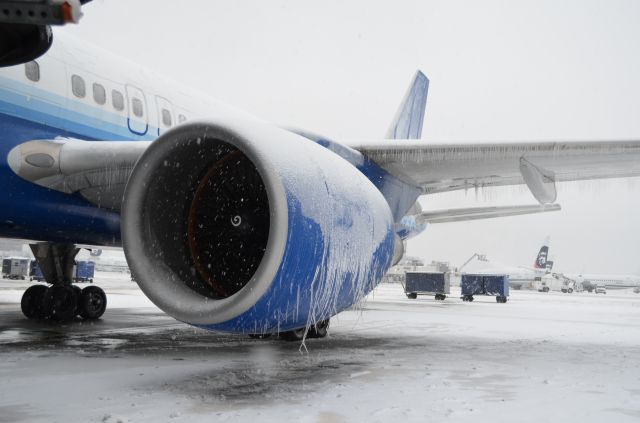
{"points": [[137, 111]]}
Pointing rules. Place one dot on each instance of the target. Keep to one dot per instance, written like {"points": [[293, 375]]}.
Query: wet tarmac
{"points": [[531, 359]]}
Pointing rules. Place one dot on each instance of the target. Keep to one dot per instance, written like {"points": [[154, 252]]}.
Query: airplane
{"points": [[519, 276], [228, 222], [590, 281], [610, 281]]}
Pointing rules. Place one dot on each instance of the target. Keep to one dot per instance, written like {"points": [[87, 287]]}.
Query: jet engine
{"points": [[244, 227]]}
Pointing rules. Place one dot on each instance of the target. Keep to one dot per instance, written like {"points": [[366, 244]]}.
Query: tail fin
{"points": [[407, 124], [541, 260]]}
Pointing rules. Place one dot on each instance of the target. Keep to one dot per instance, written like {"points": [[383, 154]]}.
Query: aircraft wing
{"points": [[441, 167]]}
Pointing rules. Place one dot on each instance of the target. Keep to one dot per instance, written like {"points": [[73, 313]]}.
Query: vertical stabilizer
{"points": [[543, 255], [409, 118]]}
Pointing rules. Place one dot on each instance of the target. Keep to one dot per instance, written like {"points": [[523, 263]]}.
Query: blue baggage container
{"points": [[426, 283], [85, 271], [494, 285], [36, 272]]}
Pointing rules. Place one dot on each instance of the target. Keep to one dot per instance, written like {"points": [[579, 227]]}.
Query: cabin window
{"points": [[117, 100], [138, 109], [166, 117], [99, 94], [78, 86], [182, 118], [32, 71]]}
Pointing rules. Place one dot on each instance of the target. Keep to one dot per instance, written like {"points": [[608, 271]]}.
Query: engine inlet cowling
{"points": [[245, 227]]}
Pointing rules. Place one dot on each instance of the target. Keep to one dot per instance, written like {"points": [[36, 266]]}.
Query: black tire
{"points": [[319, 330], [60, 303], [293, 335], [31, 303], [412, 295], [570, 290], [93, 303]]}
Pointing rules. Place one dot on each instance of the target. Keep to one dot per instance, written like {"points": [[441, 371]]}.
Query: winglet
{"points": [[407, 124]]}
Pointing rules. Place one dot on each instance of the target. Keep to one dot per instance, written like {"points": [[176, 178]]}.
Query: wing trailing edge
{"points": [[477, 213]]}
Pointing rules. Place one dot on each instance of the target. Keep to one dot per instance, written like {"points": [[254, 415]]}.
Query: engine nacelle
{"points": [[248, 228]]}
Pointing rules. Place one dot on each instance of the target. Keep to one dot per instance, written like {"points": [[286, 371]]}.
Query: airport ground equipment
{"points": [[427, 283], [15, 268], [600, 290], [492, 285], [84, 272], [35, 273]]}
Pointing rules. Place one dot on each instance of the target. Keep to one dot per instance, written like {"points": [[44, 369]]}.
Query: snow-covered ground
{"points": [[540, 357]]}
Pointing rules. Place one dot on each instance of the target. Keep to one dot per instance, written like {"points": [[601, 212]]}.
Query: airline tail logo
{"points": [[541, 260]]}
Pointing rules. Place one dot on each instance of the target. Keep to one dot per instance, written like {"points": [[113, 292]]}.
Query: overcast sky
{"points": [[499, 70]]}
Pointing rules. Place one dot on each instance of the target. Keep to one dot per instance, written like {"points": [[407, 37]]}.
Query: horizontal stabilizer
{"points": [[476, 213], [407, 124]]}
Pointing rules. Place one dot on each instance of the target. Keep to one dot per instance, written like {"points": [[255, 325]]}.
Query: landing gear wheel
{"points": [[60, 303], [31, 303], [319, 330], [293, 335], [93, 303]]}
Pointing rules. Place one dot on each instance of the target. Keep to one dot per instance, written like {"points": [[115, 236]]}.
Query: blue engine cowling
{"points": [[248, 228]]}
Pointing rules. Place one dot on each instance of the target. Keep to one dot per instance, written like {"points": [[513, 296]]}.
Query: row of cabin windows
{"points": [[79, 89]]}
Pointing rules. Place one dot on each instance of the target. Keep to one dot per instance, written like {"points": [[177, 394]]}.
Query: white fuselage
{"points": [[609, 281]]}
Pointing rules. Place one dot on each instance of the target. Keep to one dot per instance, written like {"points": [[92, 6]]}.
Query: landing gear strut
{"points": [[62, 301]]}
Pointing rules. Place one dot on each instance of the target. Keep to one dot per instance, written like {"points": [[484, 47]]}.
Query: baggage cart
{"points": [[492, 285], [15, 268], [85, 271], [426, 283]]}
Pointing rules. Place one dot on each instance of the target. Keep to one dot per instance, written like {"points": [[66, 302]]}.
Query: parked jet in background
{"points": [[230, 223], [610, 281]]}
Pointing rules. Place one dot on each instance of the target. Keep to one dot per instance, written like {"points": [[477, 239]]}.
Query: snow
{"points": [[540, 357]]}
